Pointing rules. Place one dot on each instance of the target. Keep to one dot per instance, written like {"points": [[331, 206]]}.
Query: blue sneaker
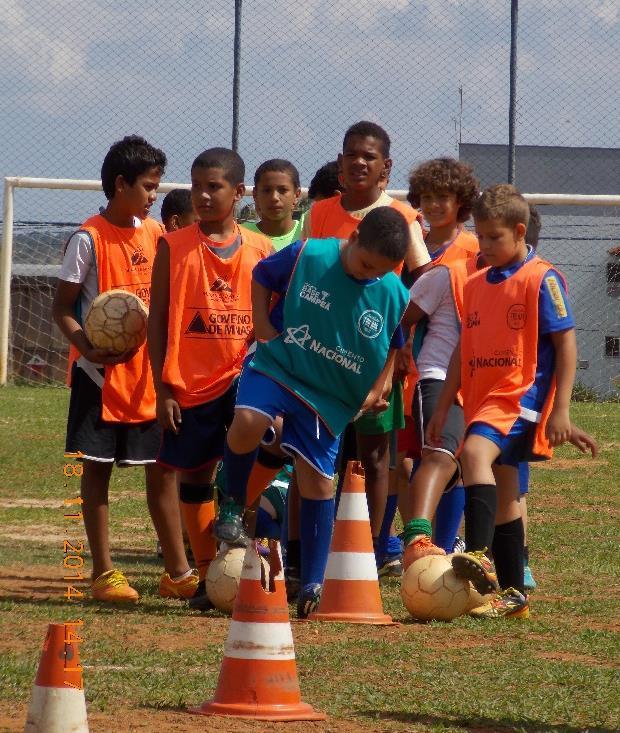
{"points": [[528, 579], [308, 600], [228, 525]]}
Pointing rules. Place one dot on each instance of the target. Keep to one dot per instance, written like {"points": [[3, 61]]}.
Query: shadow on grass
{"points": [[482, 725]]}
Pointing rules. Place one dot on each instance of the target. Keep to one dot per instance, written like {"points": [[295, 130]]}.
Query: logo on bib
{"points": [[298, 335], [516, 316], [370, 324], [314, 295]]}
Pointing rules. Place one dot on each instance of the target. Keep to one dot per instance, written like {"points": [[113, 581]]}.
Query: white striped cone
{"points": [[258, 677], [57, 704], [351, 588]]}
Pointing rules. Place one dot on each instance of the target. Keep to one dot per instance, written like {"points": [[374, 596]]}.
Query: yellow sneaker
{"points": [[113, 587], [184, 588], [509, 603]]}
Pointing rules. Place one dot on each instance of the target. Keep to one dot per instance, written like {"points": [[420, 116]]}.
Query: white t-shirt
{"points": [[433, 294], [79, 265]]}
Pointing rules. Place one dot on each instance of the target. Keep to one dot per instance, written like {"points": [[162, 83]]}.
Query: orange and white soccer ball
{"points": [[116, 320], [224, 576], [431, 591]]}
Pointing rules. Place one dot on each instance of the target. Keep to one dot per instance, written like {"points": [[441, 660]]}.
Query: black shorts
{"points": [[425, 398], [127, 444], [202, 434]]}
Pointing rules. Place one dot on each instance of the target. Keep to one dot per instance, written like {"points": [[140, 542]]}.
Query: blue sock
{"points": [[238, 467], [266, 525], [384, 535], [317, 522], [448, 517], [394, 546]]}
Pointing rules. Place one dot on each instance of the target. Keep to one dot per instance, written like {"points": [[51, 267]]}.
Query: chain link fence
{"points": [[78, 75]]}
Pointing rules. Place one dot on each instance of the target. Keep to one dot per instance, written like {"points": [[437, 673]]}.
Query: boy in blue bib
{"points": [[325, 354]]}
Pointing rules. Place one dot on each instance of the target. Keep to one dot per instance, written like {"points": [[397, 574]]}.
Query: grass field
{"points": [[560, 671]]}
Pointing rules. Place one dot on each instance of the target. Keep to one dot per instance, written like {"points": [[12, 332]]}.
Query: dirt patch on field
{"points": [[36, 582], [31, 504], [129, 720], [568, 464], [588, 661]]}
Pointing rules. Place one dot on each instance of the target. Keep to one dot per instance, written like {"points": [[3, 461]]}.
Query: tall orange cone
{"points": [[57, 704], [351, 587], [258, 677]]}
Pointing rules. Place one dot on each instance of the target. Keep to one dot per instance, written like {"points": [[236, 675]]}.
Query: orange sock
{"points": [[259, 480], [198, 510]]}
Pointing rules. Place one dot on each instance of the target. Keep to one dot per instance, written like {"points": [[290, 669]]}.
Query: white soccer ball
{"points": [[223, 578], [116, 320], [431, 591]]}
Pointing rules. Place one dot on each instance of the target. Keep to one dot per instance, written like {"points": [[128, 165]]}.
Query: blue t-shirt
{"points": [[554, 314], [274, 273]]}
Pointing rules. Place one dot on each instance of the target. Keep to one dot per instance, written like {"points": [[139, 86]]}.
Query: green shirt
{"points": [[279, 242]]}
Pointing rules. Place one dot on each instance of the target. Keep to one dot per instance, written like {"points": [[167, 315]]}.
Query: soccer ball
{"points": [[431, 591], [223, 577], [477, 599], [116, 320]]}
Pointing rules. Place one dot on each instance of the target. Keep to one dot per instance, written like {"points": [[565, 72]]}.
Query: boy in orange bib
{"points": [[515, 366], [200, 326], [112, 408]]}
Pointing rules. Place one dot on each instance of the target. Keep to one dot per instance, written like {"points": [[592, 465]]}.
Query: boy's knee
{"points": [[247, 429]]}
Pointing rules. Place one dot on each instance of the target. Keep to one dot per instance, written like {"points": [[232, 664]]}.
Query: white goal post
{"points": [[13, 182]]}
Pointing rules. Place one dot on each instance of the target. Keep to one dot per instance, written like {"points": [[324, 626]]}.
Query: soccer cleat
{"points": [[478, 569], [228, 525], [459, 544], [292, 582], [392, 567], [308, 600], [509, 603], [528, 579], [113, 587], [184, 588], [420, 546], [200, 600]]}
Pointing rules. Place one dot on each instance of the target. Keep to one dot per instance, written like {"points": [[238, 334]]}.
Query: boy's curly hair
{"points": [[445, 175]]}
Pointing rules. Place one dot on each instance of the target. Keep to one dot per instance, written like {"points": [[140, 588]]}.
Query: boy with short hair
{"points": [[446, 189], [276, 193], [199, 328], [177, 210], [323, 356], [365, 166], [112, 407], [515, 365], [325, 183]]}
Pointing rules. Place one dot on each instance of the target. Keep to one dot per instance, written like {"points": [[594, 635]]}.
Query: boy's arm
{"points": [[261, 300], [376, 399], [446, 398], [63, 312], [558, 429], [168, 410]]}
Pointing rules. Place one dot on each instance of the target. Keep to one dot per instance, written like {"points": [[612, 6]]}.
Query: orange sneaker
{"points": [[420, 546], [113, 587], [184, 588]]}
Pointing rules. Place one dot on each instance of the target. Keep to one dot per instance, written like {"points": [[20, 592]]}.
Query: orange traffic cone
{"points": [[351, 588], [57, 702], [258, 677]]}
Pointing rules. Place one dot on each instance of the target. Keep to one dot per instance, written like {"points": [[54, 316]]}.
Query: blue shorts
{"points": [[201, 436], [303, 432], [524, 478], [515, 447]]}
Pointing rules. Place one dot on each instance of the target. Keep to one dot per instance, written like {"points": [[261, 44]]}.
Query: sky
{"points": [[76, 75]]}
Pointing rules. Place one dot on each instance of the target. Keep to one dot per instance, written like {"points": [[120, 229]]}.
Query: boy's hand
{"points": [[434, 428], [264, 333], [403, 364], [558, 428], [583, 441], [168, 410], [106, 356]]}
